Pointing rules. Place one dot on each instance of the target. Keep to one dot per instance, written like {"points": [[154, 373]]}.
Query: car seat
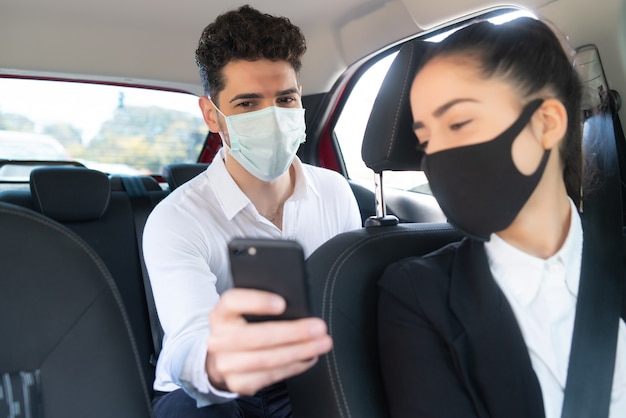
{"points": [[177, 174], [102, 211], [68, 350], [343, 273]]}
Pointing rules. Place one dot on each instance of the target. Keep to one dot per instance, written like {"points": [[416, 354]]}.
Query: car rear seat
{"points": [[100, 210], [67, 348]]}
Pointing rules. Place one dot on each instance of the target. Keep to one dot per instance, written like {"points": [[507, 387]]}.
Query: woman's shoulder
{"points": [[435, 260], [428, 270]]}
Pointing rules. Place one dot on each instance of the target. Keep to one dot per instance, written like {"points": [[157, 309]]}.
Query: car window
{"points": [[351, 125], [111, 128], [352, 121]]}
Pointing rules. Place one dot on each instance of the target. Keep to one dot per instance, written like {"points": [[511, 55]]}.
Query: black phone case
{"points": [[273, 265]]}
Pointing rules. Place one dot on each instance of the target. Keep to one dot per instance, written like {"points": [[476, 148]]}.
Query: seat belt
{"points": [[142, 206], [598, 309]]}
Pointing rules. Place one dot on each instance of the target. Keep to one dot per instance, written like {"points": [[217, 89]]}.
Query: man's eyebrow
{"points": [[443, 109], [245, 96], [288, 91]]}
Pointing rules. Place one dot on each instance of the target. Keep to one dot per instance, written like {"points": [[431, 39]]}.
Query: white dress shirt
{"points": [[185, 249], [542, 294]]}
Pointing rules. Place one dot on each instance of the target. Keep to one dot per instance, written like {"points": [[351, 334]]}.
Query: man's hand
{"points": [[244, 357]]}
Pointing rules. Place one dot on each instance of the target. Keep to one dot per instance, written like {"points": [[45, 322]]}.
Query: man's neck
{"points": [[267, 197]]}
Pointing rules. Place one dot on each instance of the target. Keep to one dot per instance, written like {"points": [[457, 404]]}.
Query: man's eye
{"points": [[287, 100], [245, 104]]}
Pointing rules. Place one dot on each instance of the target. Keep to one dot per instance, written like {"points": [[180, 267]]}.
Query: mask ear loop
{"points": [[216, 108], [225, 144]]}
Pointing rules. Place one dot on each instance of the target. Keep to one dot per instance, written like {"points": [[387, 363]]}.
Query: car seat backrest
{"points": [[99, 210], [343, 273], [67, 350], [177, 174], [342, 278]]}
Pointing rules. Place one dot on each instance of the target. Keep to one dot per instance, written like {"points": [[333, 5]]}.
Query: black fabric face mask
{"points": [[478, 186]]}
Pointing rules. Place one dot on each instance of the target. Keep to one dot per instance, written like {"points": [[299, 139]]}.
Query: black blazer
{"points": [[449, 343]]}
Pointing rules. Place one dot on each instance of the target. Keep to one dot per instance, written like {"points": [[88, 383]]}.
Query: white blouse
{"points": [[542, 294]]}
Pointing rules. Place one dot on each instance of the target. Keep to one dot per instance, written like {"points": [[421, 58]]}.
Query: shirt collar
{"points": [[303, 183], [230, 197], [233, 200], [521, 273]]}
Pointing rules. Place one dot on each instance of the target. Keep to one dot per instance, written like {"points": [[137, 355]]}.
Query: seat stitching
{"points": [[332, 280], [394, 127], [41, 219]]}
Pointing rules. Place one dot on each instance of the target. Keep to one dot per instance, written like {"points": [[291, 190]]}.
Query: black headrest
{"points": [[389, 142], [70, 193], [177, 174], [149, 183]]}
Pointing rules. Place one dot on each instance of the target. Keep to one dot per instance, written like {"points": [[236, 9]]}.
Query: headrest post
{"points": [[381, 218], [381, 209]]}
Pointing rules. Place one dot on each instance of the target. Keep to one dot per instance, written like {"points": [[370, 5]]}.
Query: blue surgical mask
{"points": [[265, 141]]}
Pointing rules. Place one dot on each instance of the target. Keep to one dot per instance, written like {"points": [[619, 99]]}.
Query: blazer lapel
{"points": [[491, 354]]}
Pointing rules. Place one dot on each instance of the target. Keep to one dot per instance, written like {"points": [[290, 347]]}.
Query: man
{"points": [[213, 362]]}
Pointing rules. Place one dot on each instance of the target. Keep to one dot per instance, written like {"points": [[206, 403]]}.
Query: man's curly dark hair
{"points": [[246, 34]]}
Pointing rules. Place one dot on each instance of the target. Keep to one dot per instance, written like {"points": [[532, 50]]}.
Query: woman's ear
{"points": [[209, 113], [554, 122]]}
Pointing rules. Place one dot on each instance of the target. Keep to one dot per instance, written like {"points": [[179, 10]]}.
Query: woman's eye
{"points": [[459, 125]]}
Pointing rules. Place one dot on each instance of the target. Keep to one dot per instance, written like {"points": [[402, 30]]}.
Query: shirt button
{"points": [[555, 268]]}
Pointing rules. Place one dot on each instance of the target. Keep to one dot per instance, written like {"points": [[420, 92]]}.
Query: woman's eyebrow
{"points": [[443, 109]]}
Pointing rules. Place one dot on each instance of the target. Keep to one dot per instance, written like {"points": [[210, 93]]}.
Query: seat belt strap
{"points": [[598, 309], [142, 206]]}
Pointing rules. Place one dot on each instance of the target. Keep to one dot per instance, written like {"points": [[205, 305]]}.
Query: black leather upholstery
{"points": [[177, 174], [61, 313], [343, 273]]}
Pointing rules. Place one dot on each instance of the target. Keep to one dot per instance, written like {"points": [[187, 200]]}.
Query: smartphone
{"points": [[274, 265]]}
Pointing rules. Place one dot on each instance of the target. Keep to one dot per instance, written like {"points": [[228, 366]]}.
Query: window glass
{"points": [[352, 121], [115, 129]]}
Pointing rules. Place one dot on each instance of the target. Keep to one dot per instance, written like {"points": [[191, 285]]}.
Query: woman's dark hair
{"points": [[246, 34], [526, 52]]}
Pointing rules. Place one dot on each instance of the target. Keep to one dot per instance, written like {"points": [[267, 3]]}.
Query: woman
{"points": [[482, 328]]}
